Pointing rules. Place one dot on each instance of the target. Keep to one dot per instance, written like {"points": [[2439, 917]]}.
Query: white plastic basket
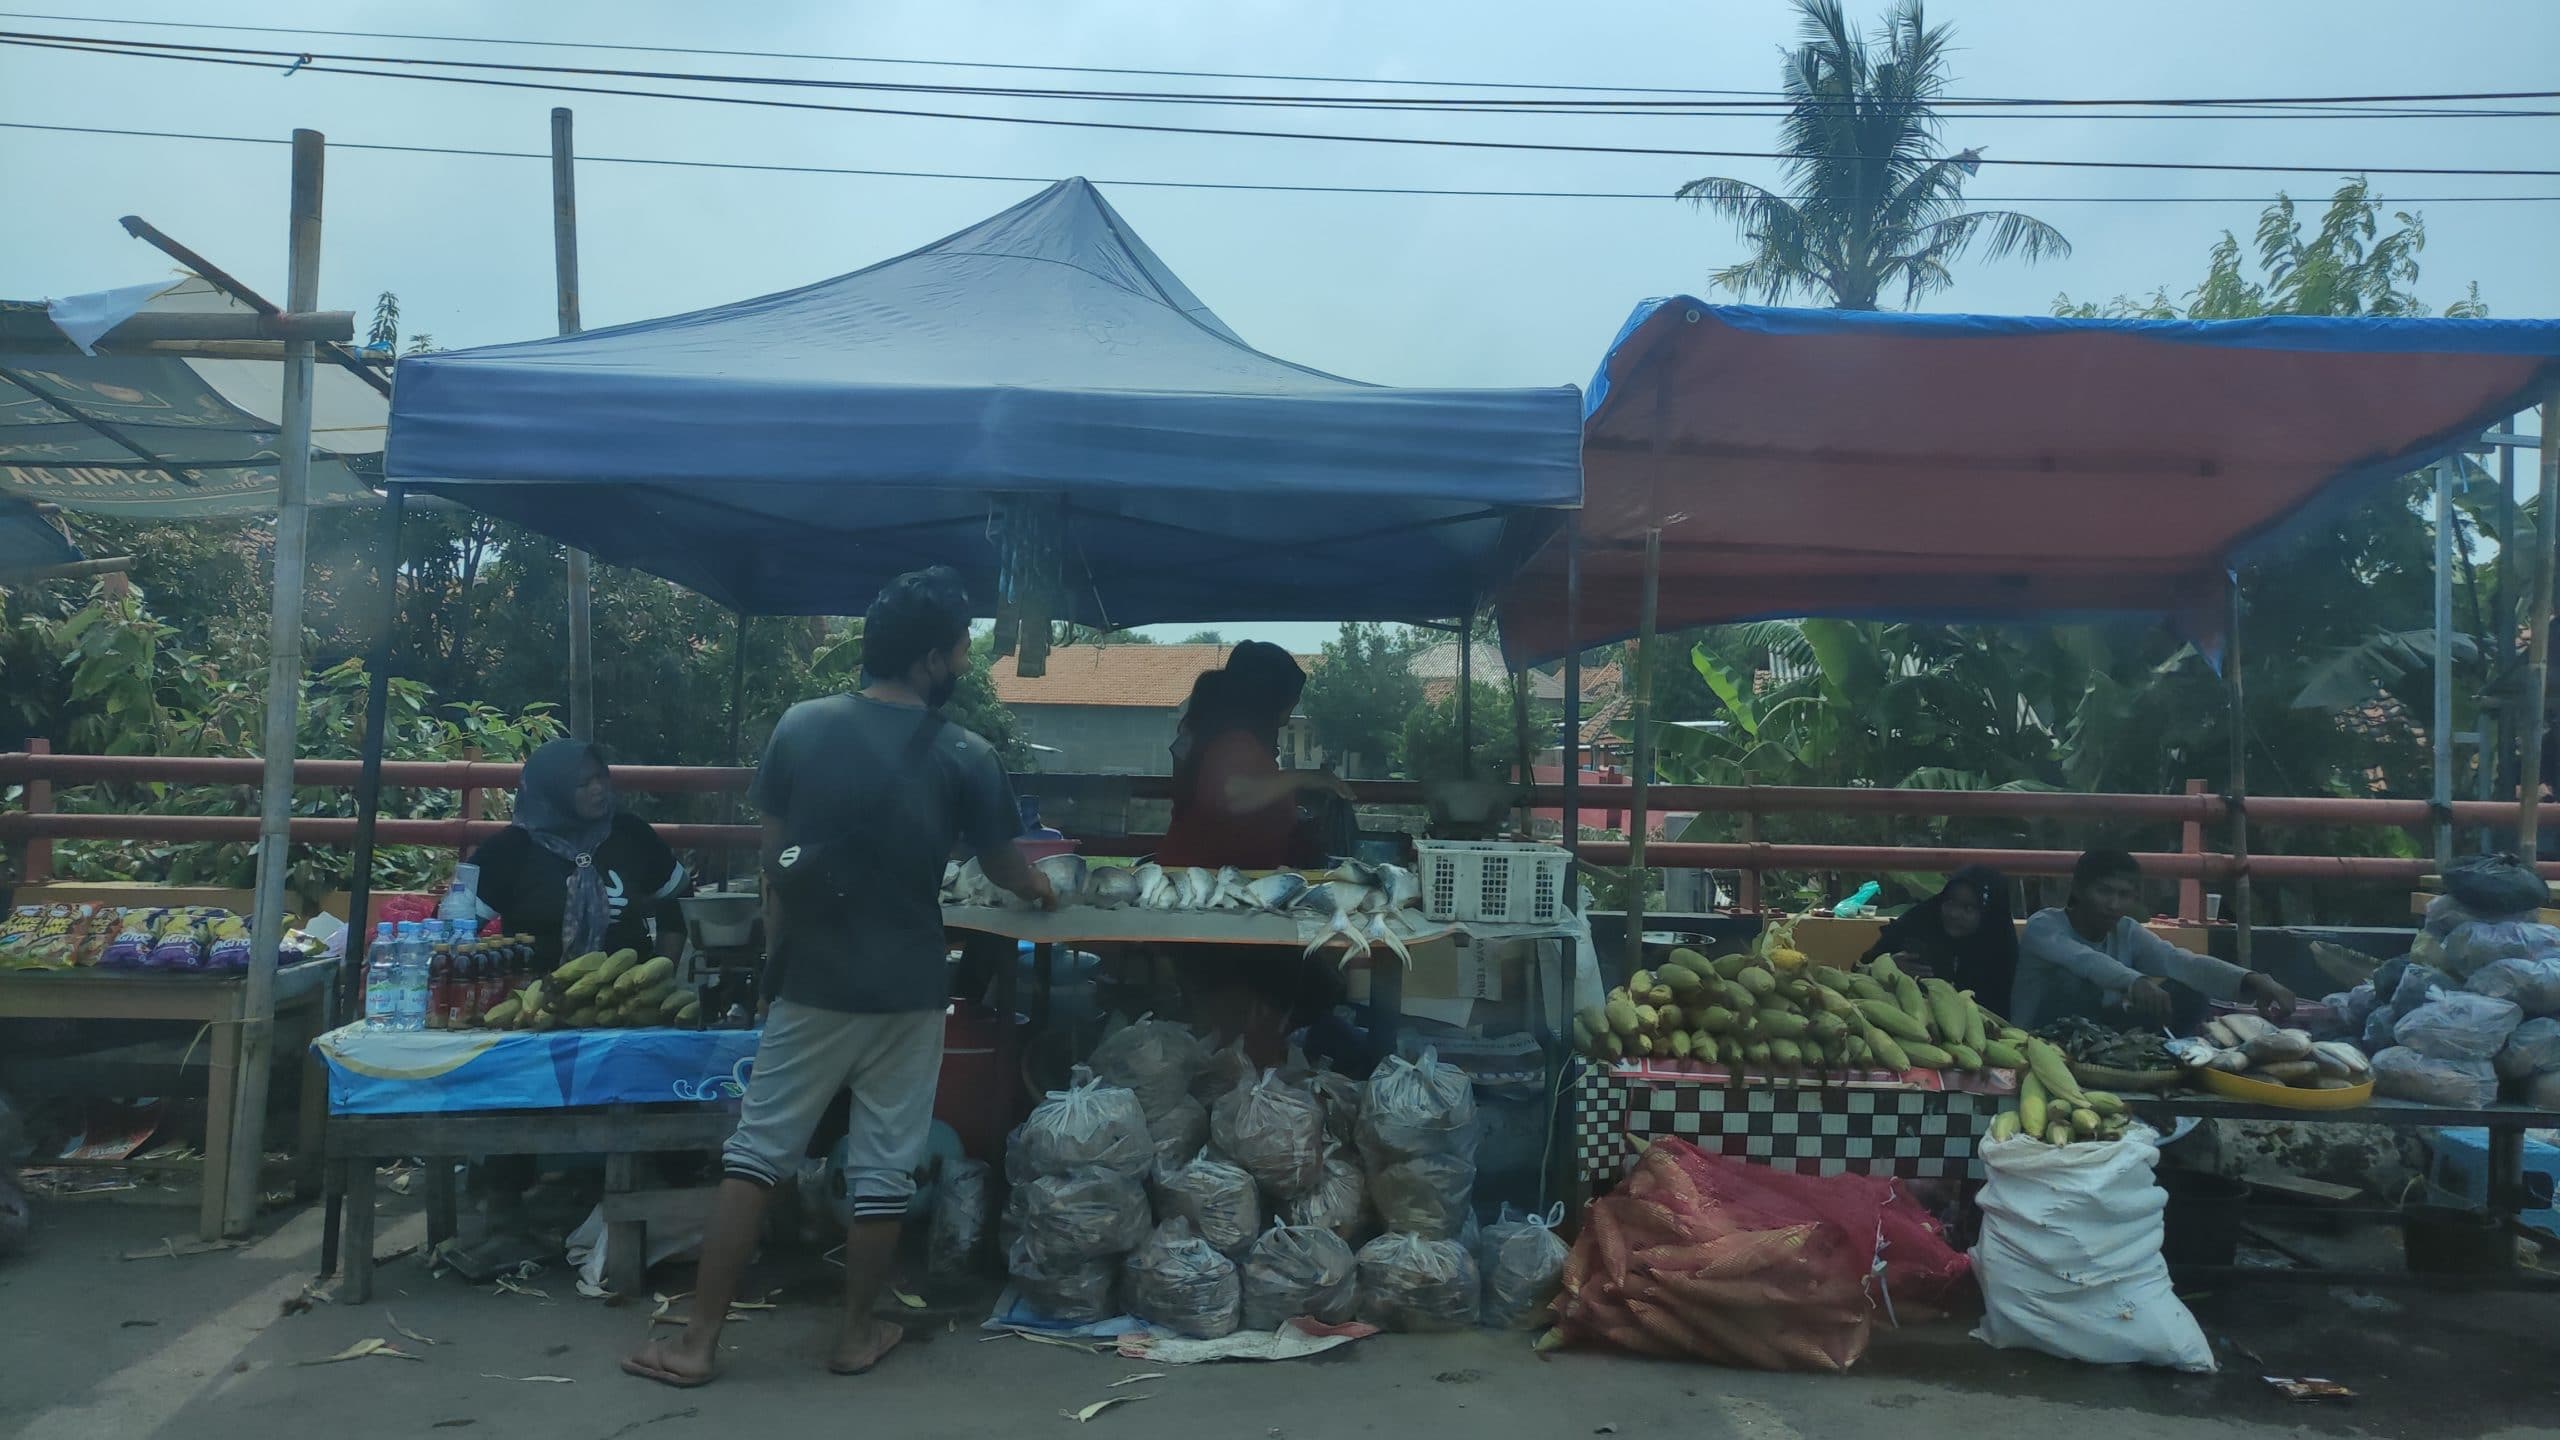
{"points": [[1506, 882]]}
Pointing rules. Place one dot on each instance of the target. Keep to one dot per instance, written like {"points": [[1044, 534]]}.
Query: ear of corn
{"points": [[1946, 1009], [1893, 1020], [2057, 1133], [2004, 1126], [2003, 1054], [2031, 1103], [1928, 1056], [617, 962], [2054, 1071]]}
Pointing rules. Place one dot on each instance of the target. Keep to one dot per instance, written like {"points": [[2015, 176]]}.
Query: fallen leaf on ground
{"points": [[593, 1292], [912, 1302], [452, 1424], [364, 1348], [1085, 1415], [506, 1286], [532, 1379], [1134, 1379], [394, 1322]]}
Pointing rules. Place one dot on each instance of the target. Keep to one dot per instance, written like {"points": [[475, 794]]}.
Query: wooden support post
{"points": [[564, 260], [2237, 697], [1639, 816], [247, 1127], [2191, 842], [37, 865]]}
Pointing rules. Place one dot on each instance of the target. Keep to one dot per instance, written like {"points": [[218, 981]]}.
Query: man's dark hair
{"points": [[2096, 865], [915, 615], [1266, 674]]}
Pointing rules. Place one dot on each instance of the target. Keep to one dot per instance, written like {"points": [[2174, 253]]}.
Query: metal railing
{"points": [[36, 823]]}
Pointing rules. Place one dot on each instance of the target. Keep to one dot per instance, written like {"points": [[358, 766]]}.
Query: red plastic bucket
{"points": [[976, 1095]]}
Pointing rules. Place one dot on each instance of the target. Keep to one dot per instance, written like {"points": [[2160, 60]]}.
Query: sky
{"points": [[1395, 289]]}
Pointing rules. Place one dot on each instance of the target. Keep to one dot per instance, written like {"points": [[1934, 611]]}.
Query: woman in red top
{"points": [[1232, 803]]}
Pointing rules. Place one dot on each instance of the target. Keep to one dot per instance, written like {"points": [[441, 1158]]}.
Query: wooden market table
{"points": [[305, 994]]}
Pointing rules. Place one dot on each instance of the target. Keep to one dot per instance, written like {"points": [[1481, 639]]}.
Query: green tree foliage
{"points": [[1872, 203], [1428, 747], [1362, 692], [2335, 638]]}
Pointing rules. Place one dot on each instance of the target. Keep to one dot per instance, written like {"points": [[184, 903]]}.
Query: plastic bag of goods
{"points": [[1295, 1270], [1340, 1200], [1069, 1219], [1415, 1108], [1273, 1131], [2403, 1074], [1429, 1195], [1410, 1283], [1178, 1282], [2458, 1025], [2533, 984], [1228, 1068], [1152, 1059], [1339, 1097], [2498, 885], [1087, 1126], [2445, 914], [956, 1235], [2351, 1008], [1698, 1256], [2069, 1258], [1178, 1134], [1219, 1200], [2533, 1050], [2480, 942], [1076, 1293], [1523, 1264], [2377, 1030], [2542, 1092], [2416, 986]]}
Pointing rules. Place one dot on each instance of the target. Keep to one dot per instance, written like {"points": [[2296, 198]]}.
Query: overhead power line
{"points": [[1771, 96], [301, 64], [673, 162]]}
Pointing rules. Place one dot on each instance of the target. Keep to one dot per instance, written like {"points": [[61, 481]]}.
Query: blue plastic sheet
{"points": [[374, 1072]]}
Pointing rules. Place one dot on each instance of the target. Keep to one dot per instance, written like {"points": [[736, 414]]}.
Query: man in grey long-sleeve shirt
{"points": [[2094, 955]]}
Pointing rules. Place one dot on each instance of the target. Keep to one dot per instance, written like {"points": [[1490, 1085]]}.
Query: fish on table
{"points": [[1066, 875], [1110, 887]]}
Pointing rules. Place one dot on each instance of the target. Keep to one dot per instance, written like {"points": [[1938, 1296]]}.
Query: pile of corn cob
{"points": [[597, 991]]}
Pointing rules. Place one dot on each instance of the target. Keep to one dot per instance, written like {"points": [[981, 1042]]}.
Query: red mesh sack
{"points": [[1703, 1257]]}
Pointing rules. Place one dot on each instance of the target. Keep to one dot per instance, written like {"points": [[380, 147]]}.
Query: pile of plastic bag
{"points": [[1273, 1131], [1702, 1257], [1417, 1136], [1409, 1283], [2440, 1023], [957, 1230], [1218, 1199], [1295, 1270], [1078, 1204], [1177, 1282], [1523, 1264]]}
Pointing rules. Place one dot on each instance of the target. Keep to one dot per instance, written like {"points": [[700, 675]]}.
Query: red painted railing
{"points": [[36, 824]]}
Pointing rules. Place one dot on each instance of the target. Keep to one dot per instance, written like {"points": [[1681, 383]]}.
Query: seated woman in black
{"points": [[1962, 935], [575, 871]]}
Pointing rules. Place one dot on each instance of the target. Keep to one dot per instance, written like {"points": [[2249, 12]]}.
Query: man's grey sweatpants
{"points": [[891, 1063]]}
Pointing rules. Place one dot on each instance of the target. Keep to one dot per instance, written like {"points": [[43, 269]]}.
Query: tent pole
{"points": [[377, 722], [2236, 702], [737, 712], [1641, 762], [1467, 695], [1520, 736], [249, 1057], [2442, 794], [2537, 672], [1569, 743], [564, 262]]}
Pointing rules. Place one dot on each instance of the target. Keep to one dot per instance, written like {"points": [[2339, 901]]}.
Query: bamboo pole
{"points": [[2442, 720], [1642, 760], [377, 724], [284, 702], [2537, 673], [1571, 740], [564, 262], [2237, 696]]}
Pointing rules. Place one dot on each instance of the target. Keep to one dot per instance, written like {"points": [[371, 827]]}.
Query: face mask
{"points": [[940, 692]]}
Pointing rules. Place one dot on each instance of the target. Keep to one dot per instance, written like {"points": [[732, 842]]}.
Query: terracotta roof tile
{"points": [[1146, 677]]}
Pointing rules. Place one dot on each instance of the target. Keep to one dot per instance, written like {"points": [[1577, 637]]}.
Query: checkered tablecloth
{"points": [[1817, 1129]]}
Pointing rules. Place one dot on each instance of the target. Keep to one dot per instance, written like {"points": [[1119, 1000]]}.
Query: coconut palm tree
{"points": [[1875, 203]]}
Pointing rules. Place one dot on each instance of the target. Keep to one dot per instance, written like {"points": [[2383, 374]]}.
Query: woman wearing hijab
{"points": [[575, 871], [1232, 803], [1962, 935]]}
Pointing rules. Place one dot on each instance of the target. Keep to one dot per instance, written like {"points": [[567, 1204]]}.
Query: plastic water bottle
{"points": [[412, 945], [382, 980]]}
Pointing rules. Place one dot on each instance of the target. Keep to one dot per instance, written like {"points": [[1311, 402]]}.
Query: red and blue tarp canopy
{"points": [[1971, 468]]}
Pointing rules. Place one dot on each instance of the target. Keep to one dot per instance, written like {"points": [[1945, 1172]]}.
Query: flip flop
{"points": [[897, 1337], [634, 1365]]}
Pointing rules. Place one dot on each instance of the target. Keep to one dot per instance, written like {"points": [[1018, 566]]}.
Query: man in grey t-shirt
{"points": [[2094, 957], [864, 797]]}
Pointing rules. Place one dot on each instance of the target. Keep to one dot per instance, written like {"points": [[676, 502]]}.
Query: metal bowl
{"points": [[721, 919], [1472, 805]]}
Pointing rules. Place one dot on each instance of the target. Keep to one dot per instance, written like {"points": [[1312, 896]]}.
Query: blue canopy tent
{"points": [[790, 453], [1744, 462]]}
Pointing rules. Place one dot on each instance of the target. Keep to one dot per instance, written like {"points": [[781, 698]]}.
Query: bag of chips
{"points": [[129, 948]]}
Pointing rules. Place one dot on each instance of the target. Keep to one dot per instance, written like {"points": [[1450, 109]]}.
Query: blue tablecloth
{"points": [[374, 1072]]}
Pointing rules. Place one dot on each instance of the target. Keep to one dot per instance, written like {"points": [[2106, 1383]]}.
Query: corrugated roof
{"points": [[1145, 677]]}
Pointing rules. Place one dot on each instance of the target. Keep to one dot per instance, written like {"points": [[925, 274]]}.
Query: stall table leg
{"points": [[443, 1209], [333, 1210], [357, 1179], [1386, 1006], [310, 1170], [626, 1242], [222, 1075]]}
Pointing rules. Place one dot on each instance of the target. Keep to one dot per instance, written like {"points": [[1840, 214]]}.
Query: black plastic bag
{"points": [[2495, 885]]}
